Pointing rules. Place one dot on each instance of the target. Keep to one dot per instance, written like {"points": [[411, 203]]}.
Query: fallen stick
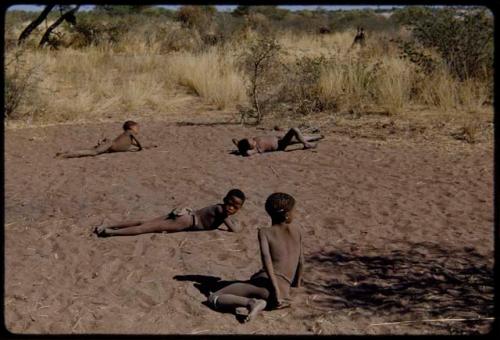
{"points": [[274, 170], [182, 242], [427, 320]]}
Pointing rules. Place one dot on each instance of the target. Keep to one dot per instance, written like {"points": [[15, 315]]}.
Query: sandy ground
{"points": [[392, 231]]}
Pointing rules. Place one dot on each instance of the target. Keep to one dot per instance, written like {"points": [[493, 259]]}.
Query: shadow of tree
{"points": [[424, 279]]}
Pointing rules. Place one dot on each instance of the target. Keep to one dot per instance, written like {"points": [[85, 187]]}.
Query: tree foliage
{"points": [[464, 41]]}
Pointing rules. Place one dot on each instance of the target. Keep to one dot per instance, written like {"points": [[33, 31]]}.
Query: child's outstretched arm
{"points": [[136, 143], [231, 225], [268, 264], [297, 280]]}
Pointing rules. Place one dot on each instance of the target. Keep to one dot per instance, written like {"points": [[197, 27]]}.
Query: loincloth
{"points": [[261, 279], [178, 212]]}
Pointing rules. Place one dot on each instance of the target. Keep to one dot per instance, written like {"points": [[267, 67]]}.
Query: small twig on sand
{"points": [[200, 331], [427, 320], [76, 324], [274, 170], [258, 330], [278, 316], [182, 242]]}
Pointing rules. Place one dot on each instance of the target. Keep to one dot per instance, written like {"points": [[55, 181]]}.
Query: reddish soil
{"points": [[392, 231]]}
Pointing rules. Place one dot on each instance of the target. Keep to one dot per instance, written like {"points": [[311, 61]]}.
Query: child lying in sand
{"points": [[184, 219], [281, 253], [121, 143], [250, 146]]}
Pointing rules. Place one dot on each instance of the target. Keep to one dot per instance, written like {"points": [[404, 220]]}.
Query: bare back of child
{"points": [[121, 143], [279, 142], [185, 219], [282, 261]]}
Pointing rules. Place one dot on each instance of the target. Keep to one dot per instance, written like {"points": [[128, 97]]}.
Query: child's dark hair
{"points": [[278, 204], [236, 193], [128, 124], [244, 146]]}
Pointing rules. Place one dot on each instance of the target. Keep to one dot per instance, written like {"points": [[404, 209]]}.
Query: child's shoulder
{"points": [[212, 207]]}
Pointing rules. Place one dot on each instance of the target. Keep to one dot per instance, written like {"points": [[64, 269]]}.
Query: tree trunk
{"points": [[34, 24], [68, 16]]}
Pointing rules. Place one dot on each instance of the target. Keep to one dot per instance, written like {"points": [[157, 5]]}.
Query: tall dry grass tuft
{"points": [[145, 62], [393, 84], [91, 84], [473, 94], [439, 90], [212, 75], [347, 84], [314, 45]]}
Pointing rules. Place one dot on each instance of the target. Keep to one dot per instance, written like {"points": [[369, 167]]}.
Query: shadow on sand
{"points": [[424, 279]]}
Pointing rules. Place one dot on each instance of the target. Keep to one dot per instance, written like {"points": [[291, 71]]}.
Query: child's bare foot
{"points": [[256, 306], [100, 231]]}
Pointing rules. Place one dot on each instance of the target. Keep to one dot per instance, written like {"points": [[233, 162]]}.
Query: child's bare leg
{"points": [[308, 138], [83, 153], [101, 230], [287, 139], [126, 224], [313, 138], [160, 224], [78, 153], [238, 295]]}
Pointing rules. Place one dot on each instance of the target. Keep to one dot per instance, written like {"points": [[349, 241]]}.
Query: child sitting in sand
{"points": [[121, 143], [281, 254], [184, 219], [250, 146]]}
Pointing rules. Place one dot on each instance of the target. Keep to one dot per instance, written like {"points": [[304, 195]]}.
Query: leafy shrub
{"points": [[197, 17], [260, 60], [20, 80], [301, 89], [417, 55], [465, 42]]}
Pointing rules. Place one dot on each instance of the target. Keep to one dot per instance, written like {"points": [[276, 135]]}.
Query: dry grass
{"points": [[212, 75], [315, 45], [90, 83], [393, 84], [141, 73], [348, 83]]}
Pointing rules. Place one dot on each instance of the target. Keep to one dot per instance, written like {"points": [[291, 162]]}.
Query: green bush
{"points": [[197, 17], [301, 91], [464, 40], [261, 61], [19, 83]]}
